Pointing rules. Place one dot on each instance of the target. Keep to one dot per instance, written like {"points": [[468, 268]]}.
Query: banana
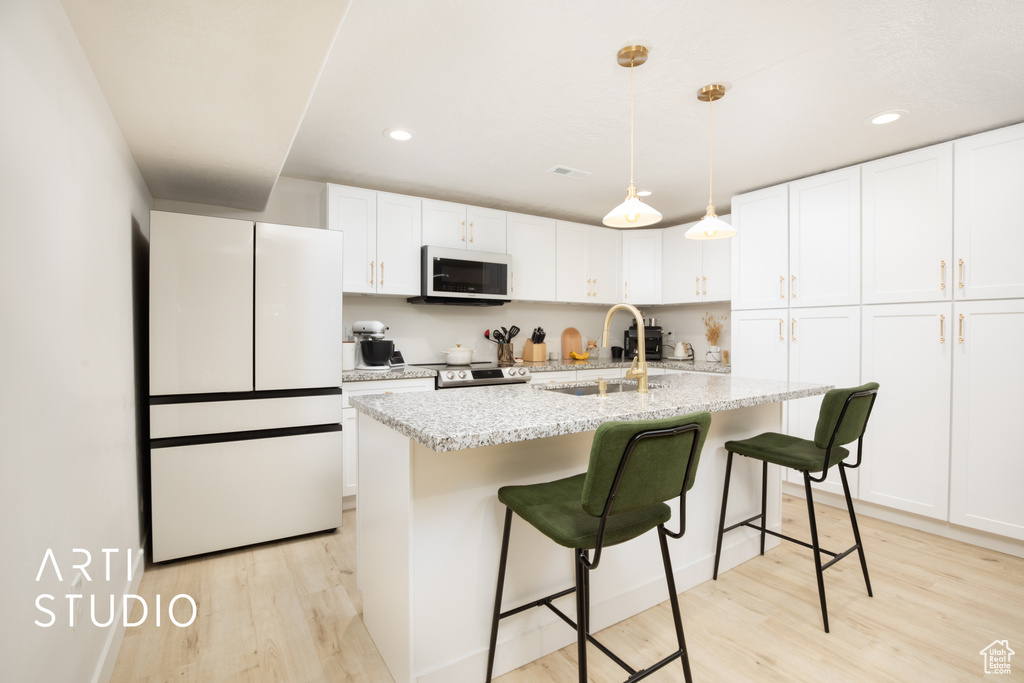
{"points": [[580, 356]]}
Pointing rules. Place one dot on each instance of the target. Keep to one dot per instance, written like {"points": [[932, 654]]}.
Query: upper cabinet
{"points": [[908, 227], [760, 252], [988, 215], [588, 263], [641, 266], [529, 241], [382, 239], [694, 270], [458, 226], [824, 239]]}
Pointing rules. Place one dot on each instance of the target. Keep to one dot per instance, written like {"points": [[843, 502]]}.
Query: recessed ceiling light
{"points": [[401, 134], [643, 193], [886, 116]]}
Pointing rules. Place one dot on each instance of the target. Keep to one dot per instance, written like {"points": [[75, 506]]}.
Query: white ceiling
{"points": [[210, 95]]}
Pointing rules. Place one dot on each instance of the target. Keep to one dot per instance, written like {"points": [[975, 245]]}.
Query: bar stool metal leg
{"points": [[498, 592], [721, 520], [764, 501], [856, 529], [816, 549], [674, 600], [581, 616]]}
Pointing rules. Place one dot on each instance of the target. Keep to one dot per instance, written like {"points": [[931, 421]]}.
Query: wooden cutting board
{"points": [[571, 341]]}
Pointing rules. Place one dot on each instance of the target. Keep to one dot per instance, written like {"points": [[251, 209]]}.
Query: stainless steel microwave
{"points": [[459, 276]]}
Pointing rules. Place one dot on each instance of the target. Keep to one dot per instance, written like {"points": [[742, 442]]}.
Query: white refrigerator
{"points": [[245, 366]]}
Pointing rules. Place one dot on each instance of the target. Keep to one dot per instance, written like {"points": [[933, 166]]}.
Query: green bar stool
{"points": [[842, 419], [635, 466]]}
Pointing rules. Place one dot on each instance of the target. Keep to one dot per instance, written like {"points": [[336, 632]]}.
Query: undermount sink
{"points": [[593, 388]]}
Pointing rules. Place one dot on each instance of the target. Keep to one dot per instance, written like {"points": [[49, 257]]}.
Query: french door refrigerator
{"points": [[245, 335]]}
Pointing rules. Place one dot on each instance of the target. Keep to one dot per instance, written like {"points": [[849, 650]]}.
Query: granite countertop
{"points": [[601, 363], [448, 420], [408, 372]]}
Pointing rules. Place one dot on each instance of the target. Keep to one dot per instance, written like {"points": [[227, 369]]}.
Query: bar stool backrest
{"points": [[839, 423], [642, 462]]}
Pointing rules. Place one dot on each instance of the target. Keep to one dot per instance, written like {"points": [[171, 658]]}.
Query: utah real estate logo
{"points": [[997, 657]]}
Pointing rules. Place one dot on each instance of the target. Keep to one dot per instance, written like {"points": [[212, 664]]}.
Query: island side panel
{"points": [[384, 531], [457, 537]]}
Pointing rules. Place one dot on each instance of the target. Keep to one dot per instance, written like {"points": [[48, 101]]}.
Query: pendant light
{"points": [[710, 227], [632, 213]]}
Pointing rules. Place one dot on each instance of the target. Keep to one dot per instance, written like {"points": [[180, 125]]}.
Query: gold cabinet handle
{"points": [[513, 281], [705, 284], [960, 283], [792, 328], [381, 273], [961, 339], [781, 338], [627, 290], [782, 283], [942, 274], [463, 231], [595, 286], [588, 287], [792, 287], [471, 231], [696, 286], [942, 329], [372, 272]]}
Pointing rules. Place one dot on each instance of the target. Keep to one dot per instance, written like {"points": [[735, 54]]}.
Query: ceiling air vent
{"points": [[568, 172]]}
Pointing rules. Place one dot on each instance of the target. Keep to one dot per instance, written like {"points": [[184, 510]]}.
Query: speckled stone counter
{"points": [[408, 372], [454, 419], [599, 363]]}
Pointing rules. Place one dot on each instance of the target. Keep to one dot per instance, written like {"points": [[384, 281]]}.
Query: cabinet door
{"points": [[487, 230], [908, 226], [641, 267], [824, 239], [444, 224], [605, 260], [530, 243], [298, 307], [824, 346], [760, 344], [682, 266], [398, 244], [988, 217], [353, 211], [200, 304], [716, 259], [573, 270], [907, 349], [760, 252], [986, 464]]}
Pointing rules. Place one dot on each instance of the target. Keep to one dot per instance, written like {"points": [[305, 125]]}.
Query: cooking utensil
{"points": [[512, 332], [459, 356], [487, 336], [504, 334]]}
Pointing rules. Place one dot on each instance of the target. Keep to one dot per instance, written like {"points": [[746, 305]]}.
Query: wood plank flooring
{"points": [[290, 611]]}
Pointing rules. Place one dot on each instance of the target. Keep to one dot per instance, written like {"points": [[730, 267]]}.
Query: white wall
{"points": [[74, 213], [686, 324], [292, 202]]}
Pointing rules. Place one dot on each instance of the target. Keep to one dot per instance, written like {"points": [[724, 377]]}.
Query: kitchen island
{"points": [[429, 522]]}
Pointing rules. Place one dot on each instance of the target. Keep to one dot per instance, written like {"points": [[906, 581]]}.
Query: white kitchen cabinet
{"points": [[694, 270], [907, 349], [458, 226], [641, 267], [382, 239], [201, 304], [531, 243], [907, 224], [824, 347], [760, 252], [824, 239], [988, 228], [760, 344], [986, 465], [350, 424], [587, 263]]}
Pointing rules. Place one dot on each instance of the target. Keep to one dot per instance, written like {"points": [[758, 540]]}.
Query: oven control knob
{"points": [[462, 374], [522, 371], [511, 372], [449, 375]]}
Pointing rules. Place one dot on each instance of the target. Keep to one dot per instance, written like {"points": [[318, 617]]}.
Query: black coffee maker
{"points": [[652, 342]]}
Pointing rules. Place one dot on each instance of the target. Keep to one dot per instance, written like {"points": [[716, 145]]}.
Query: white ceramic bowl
{"points": [[459, 356]]}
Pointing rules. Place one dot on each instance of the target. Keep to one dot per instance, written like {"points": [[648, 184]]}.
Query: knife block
{"points": [[535, 352]]}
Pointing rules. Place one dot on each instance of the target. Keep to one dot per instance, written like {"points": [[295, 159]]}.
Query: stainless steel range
{"points": [[477, 374]]}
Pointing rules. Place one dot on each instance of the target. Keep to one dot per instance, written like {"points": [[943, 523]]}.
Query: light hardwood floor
{"points": [[290, 611]]}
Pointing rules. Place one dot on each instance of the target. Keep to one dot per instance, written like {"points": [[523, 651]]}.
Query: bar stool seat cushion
{"points": [[555, 508], [785, 450]]}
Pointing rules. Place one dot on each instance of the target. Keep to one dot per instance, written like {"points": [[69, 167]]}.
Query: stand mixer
{"points": [[373, 352]]}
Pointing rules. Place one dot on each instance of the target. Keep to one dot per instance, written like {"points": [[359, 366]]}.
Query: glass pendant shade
{"points": [[632, 213]]}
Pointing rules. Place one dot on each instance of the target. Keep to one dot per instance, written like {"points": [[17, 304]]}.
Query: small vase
{"points": [[714, 354]]}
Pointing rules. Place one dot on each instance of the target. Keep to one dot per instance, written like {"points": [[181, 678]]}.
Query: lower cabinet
{"points": [[350, 427], [986, 467], [908, 350]]}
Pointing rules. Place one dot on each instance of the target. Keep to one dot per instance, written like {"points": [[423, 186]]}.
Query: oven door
{"points": [[457, 273]]}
